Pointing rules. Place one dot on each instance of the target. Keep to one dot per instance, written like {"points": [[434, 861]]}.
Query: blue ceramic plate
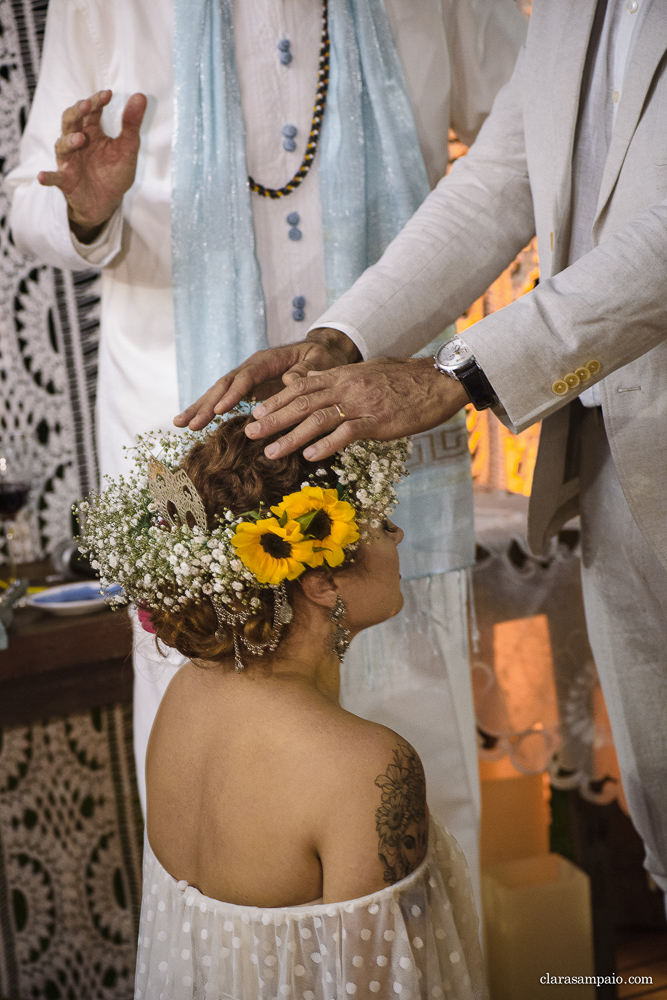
{"points": [[79, 598]]}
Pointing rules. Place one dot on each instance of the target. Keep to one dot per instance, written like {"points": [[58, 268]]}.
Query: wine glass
{"points": [[15, 483]]}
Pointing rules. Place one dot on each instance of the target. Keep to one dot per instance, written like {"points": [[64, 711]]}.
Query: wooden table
{"points": [[57, 665]]}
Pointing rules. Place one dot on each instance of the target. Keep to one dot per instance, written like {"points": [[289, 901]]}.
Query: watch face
{"points": [[454, 354]]}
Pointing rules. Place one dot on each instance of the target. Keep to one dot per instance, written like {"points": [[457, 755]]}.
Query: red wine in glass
{"points": [[15, 486], [13, 497]]}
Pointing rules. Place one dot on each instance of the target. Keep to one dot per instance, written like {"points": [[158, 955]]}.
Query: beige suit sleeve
{"points": [[609, 306], [468, 230]]}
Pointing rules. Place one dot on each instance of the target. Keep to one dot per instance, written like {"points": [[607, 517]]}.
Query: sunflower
{"points": [[324, 518], [273, 552]]}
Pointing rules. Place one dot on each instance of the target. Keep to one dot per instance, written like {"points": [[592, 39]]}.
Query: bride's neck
{"points": [[306, 656]]}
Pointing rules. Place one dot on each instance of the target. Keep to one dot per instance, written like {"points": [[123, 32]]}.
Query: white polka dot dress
{"points": [[415, 940]]}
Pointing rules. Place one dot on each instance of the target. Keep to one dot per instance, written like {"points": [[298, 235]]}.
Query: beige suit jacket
{"points": [[610, 306]]}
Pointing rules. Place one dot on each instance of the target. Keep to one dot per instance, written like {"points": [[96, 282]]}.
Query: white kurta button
{"points": [[633, 6]]}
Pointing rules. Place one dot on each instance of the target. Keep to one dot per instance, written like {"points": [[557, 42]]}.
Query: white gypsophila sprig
{"points": [[162, 565], [368, 470]]}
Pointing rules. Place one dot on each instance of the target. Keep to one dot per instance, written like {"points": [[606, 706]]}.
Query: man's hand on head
{"points": [[264, 372], [382, 399], [95, 170]]}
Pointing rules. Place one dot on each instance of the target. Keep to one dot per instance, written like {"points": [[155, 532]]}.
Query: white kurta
{"points": [[455, 54]]}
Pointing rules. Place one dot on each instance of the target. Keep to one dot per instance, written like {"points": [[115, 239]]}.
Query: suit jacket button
{"points": [[560, 387], [582, 374], [594, 367], [571, 380]]}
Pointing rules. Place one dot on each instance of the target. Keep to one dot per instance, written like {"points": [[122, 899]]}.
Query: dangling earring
{"points": [[340, 642], [282, 612]]}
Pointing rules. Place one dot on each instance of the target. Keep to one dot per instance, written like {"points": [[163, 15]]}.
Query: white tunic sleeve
{"points": [[414, 940], [456, 55], [484, 38], [73, 67]]}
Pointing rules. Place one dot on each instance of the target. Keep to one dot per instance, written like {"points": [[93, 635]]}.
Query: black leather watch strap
{"points": [[476, 384]]}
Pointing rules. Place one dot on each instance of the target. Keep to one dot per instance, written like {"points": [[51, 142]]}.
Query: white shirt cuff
{"points": [[591, 397], [104, 247], [349, 331]]}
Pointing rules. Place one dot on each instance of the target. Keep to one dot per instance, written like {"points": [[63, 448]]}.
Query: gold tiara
{"points": [[175, 496]]}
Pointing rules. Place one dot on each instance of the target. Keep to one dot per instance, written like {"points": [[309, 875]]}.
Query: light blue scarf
{"points": [[372, 178]]}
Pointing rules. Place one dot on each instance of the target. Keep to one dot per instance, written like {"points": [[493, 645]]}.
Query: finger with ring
{"points": [[340, 413]]}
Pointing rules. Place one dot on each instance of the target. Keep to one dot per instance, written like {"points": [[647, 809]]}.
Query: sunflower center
{"points": [[275, 546], [320, 526]]}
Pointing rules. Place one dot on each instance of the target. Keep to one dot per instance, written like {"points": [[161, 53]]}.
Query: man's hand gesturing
{"points": [[95, 170]]}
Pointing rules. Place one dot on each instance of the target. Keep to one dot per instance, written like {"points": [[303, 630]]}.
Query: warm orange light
{"points": [[523, 665], [502, 460]]}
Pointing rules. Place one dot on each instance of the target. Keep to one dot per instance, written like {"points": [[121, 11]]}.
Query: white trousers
{"points": [[411, 674], [625, 596]]}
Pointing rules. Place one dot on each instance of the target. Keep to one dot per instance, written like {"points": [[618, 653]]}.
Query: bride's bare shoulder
{"points": [[371, 806]]}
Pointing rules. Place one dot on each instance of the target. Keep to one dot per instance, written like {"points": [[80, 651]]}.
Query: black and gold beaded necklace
{"points": [[316, 126]]}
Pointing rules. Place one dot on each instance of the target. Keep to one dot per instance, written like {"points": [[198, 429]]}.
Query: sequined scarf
{"points": [[372, 178]]}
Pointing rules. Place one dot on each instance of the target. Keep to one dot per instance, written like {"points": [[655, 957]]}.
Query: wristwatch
{"points": [[455, 358]]}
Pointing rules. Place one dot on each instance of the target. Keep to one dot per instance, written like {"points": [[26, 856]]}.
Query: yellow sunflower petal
{"points": [[263, 569], [295, 568], [334, 555], [302, 550], [315, 560], [329, 496], [342, 533], [342, 511]]}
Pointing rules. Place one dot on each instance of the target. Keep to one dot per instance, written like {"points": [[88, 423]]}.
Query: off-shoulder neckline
{"points": [[307, 909]]}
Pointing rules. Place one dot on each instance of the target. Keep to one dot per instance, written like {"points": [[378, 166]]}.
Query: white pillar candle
{"points": [[537, 923]]}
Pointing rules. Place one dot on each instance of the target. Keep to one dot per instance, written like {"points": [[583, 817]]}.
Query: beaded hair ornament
{"points": [[149, 532]]}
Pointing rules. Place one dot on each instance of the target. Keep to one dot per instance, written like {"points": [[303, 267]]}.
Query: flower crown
{"points": [[149, 531]]}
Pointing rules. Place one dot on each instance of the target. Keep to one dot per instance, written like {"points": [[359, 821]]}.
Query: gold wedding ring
{"points": [[340, 412]]}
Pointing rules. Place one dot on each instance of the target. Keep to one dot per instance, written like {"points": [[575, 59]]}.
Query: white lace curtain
{"points": [[537, 696]]}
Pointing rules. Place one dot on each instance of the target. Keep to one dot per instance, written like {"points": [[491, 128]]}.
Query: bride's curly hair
{"points": [[230, 471]]}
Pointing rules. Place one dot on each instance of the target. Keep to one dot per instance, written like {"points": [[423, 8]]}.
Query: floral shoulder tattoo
{"points": [[401, 818]]}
